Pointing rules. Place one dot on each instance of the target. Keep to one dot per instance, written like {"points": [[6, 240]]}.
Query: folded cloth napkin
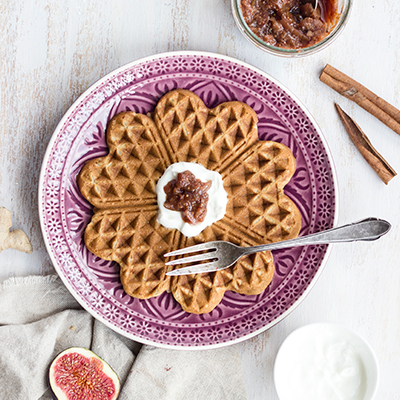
{"points": [[39, 319]]}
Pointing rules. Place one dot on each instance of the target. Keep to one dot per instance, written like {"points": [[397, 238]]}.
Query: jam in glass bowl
{"points": [[291, 28]]}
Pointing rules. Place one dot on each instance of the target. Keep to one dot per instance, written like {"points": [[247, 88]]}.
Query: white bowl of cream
{"points": [[325, 361]]}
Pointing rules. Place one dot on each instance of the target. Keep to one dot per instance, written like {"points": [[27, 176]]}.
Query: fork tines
{"points": [[207, 253], [191, 249]]}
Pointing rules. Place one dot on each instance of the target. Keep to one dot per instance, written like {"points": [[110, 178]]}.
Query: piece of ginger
{"points": [[16, 239]]}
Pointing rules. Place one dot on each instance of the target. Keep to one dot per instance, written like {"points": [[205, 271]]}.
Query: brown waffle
{"points": [[121, 186]]}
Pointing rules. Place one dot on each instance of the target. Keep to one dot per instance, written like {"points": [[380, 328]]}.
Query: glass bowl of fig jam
{"points": [[291, 28]]}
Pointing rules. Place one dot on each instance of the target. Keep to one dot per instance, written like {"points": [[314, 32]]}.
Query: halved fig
{"points": [[77, 373]]}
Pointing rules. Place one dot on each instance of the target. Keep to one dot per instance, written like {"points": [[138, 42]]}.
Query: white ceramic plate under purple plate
{"points": [[64, 213]]}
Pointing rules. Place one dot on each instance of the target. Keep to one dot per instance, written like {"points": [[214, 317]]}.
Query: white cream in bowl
{"points": [[325, 361]]}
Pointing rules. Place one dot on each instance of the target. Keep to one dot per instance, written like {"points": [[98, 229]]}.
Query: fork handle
{"points": [[367, 229]]}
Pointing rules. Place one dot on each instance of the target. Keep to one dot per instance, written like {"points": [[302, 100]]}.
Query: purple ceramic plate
{"points": [[64, 213]]}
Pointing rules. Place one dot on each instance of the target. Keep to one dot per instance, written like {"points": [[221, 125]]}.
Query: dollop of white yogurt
{"points": [[217, 198]]}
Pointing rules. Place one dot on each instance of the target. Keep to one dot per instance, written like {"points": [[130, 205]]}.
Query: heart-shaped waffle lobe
{"points": [[121, 187]]}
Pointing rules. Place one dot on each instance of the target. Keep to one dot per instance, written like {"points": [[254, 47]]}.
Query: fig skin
{"points": [[87, 355]]}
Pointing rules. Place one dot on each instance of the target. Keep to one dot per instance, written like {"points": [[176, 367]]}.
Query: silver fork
{"points": [[222, 254]]}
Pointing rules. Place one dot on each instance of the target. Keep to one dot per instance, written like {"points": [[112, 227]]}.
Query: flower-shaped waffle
{"points": [[121, 187]]}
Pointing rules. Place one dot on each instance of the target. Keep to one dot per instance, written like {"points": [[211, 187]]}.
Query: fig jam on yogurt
{"points": [[290, 24], [189, 196]]}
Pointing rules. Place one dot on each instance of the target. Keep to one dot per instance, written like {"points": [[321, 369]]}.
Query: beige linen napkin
{"points": [[39, 319]]}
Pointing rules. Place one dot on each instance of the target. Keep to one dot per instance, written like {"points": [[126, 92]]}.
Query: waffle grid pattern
{"points": [[121, 187]]}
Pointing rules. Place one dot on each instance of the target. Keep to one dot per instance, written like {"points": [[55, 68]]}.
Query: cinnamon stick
{"points": [[366, 99], [373, 158]]}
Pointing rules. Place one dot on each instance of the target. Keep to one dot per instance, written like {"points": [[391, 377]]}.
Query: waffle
{"points": [[121, 187]]}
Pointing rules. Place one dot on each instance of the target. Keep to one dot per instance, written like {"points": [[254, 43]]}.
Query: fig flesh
{"points": [[79, 374]]}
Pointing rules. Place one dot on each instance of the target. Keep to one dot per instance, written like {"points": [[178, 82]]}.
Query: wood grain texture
{"points": [[51, 51]]}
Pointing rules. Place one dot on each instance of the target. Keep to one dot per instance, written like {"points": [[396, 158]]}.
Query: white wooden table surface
{"points": [[52, 50]]}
